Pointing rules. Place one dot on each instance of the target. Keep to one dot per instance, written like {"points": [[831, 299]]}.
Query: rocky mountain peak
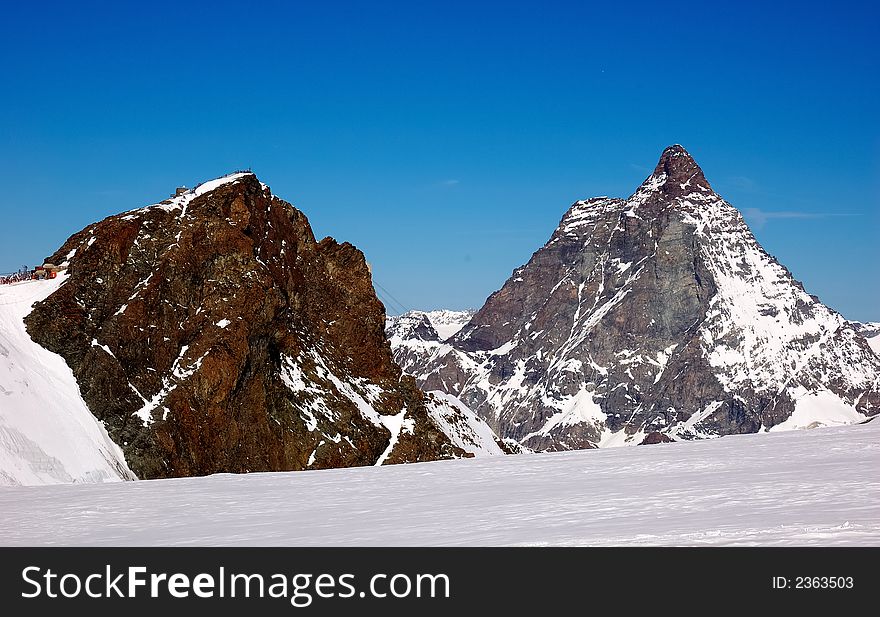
{"points": [[659, 313], [677, 173], [211, 332]]}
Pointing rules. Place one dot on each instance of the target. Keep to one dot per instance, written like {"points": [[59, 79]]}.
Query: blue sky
{"points": [[447, 139]]}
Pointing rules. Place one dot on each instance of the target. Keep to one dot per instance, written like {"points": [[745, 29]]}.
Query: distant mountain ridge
{"points": [[428, 325]]}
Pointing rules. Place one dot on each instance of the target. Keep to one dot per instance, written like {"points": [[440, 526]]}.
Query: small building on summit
{"points": [[46, 271]]}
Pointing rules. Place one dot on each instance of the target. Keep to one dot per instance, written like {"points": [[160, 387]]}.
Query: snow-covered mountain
{"points": [[659, 313], [416, 335], [210, 332], [436, 325]]}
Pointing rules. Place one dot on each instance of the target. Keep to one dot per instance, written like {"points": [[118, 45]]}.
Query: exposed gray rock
{"points": [[657, 313]]}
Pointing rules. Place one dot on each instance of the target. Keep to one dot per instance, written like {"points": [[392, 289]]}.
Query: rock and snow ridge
{"points": [[656, 313], [437, 325], [211, 332], [871, 332]]}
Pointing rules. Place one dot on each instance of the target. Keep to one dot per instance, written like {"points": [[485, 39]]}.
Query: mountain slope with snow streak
{"points": [[656, 313], [794, 488], [416, 339], [47, 433], [871, 332]]}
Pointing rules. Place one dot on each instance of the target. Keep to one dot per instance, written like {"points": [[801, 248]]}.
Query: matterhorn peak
{"points": [[677, 173], [656, 314]]}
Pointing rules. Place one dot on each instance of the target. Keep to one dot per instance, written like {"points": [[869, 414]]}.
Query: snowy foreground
{"points": [[811, 487]]}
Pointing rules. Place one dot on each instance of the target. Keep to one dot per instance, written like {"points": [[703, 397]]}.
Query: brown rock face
{"points": [[680, 173], [655, 438], [213, 333]]}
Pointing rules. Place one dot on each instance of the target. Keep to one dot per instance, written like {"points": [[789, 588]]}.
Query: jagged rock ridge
{"points": [[212, 333], [659, 313]]}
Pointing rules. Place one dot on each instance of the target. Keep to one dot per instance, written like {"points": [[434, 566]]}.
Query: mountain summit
{"points": [[677, 168], [659, 313], [211, 332]]}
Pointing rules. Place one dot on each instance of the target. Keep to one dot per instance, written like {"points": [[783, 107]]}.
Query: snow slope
{"points": [[789, 488], [47, 434], [466, 430], [447, 322]]}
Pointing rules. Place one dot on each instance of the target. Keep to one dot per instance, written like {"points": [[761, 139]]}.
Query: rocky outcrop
{"points": [[213, 333], [655, 438], [657, 313]]}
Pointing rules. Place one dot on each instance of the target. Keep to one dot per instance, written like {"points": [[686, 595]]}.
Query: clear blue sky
{"points": [[446, 140]]}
